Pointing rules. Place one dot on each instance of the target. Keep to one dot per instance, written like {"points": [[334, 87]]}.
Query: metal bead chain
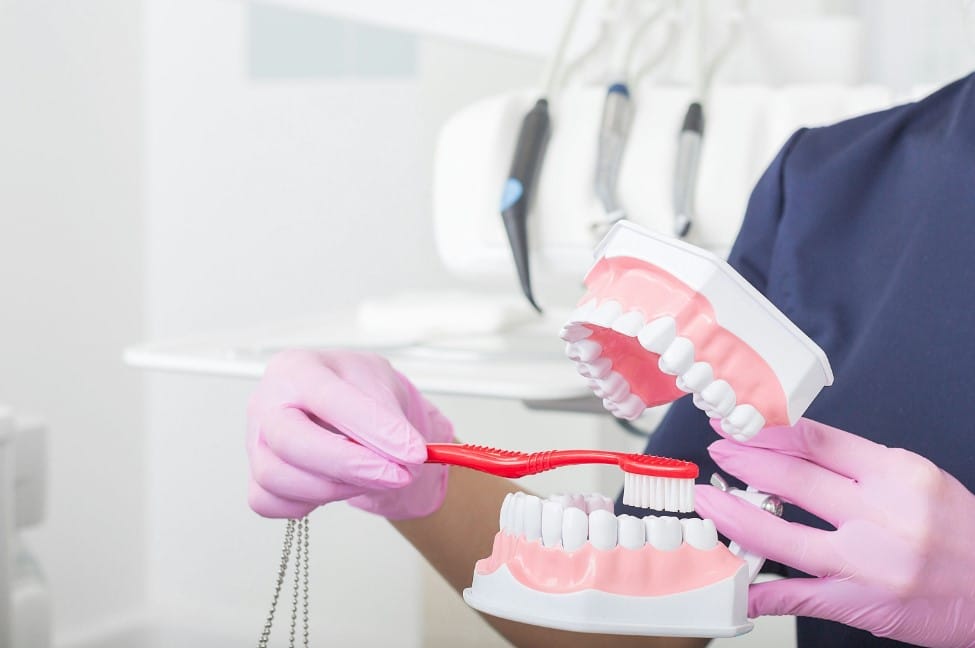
{"points": [[296, 537]]}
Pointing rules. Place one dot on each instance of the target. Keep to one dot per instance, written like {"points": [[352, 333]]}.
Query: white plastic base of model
{"points": [[801, 366], [717, 610]]}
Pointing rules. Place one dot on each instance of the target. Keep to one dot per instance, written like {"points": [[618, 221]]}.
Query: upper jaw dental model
{"points": [[660, 319]]}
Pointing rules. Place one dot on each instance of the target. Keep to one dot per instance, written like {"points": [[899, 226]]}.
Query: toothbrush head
{"points": [[658, 483]]}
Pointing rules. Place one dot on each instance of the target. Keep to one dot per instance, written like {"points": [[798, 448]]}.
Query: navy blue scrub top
{"points": [[863, 233]]}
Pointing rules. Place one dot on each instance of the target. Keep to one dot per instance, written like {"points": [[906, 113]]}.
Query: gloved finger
{"points": [[822, 492], [270, 505], [281, 479], [376, 424], [304, 444], [822, 598], [841, 452], [760, 532]]}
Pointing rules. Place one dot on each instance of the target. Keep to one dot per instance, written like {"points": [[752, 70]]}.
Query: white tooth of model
{"points": [[587, 350], [518, 514], [582, 313], [657, 335], [574, 332], [630, 324], [575, 528], [632, 532], [505, 516], [631, 407], [602, 529], [678, 357], [533, 517], [720, 398], [551, 524], [698, 534], [695, 379], [746, 421], [663, 532], [572, 350], [607, 313], [598, 368], [577, 500], [615, 387]]}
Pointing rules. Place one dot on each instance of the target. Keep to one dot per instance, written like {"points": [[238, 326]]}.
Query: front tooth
{"points": [[606, 313], [658, 334], [518, 514], [664, 532], [743, 423], [598, 368], [678, 357], [614, 386], [632, 532], [720, 398], [575, 528], [551, 524], [565, 501], [696, 378], [631, 408], [583, 350], [533, 517], [504, 519], [573, 332], [602, 529], [700, 534], [630, 324], [597, 502]]}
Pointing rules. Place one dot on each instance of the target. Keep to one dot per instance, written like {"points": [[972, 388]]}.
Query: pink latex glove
{"points": [[901, 562], [302, 419]]}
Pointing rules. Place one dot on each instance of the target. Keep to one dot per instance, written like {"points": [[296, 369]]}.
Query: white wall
{"points": [[71, 282]]}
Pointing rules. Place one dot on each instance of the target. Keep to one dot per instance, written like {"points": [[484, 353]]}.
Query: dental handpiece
{"points": [[518, 189], [686, 168], [613, 132]]}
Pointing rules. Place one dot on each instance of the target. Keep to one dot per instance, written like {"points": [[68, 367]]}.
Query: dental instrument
{"points": [[691, 136], [650, 482], [526, 164]]}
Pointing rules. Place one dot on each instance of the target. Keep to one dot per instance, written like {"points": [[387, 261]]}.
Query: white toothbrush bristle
{"points": [[658, 493]]}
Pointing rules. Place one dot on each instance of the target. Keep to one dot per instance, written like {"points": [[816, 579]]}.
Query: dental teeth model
{"points": [[662, 318], [567, 562]]}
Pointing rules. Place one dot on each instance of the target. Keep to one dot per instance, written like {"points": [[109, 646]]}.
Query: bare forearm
{"points": [[470, 513]]}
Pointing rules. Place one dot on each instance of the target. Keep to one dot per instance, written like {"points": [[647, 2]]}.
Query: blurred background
{"points": [[200, 182]]}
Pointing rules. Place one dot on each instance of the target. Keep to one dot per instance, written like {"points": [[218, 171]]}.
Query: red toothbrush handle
{"points": [[509, 463]]}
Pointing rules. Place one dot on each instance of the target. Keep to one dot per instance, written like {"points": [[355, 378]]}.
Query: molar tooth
{"points": [[632, 532], [658, 334], [551, 524], [720, 399], [602, 529], [631, 408], [573, 332], [587, 350], [615, 387], [575, 528], [678, 357], [608, 311], [630, 324], [597, 387], [504, 518], [700, 534], [663, 532], [533, 517], [696, 378], [598, 368], [744, 421]]}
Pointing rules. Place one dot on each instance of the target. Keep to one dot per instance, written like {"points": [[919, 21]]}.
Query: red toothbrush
{"points": [[649, 482]]}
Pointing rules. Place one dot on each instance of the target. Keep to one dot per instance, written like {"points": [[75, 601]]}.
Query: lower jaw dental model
{"points": [[660, 319]]}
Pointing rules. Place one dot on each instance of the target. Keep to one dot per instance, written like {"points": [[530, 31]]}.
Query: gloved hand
{"points": [[901, 562], [325, 426]]}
